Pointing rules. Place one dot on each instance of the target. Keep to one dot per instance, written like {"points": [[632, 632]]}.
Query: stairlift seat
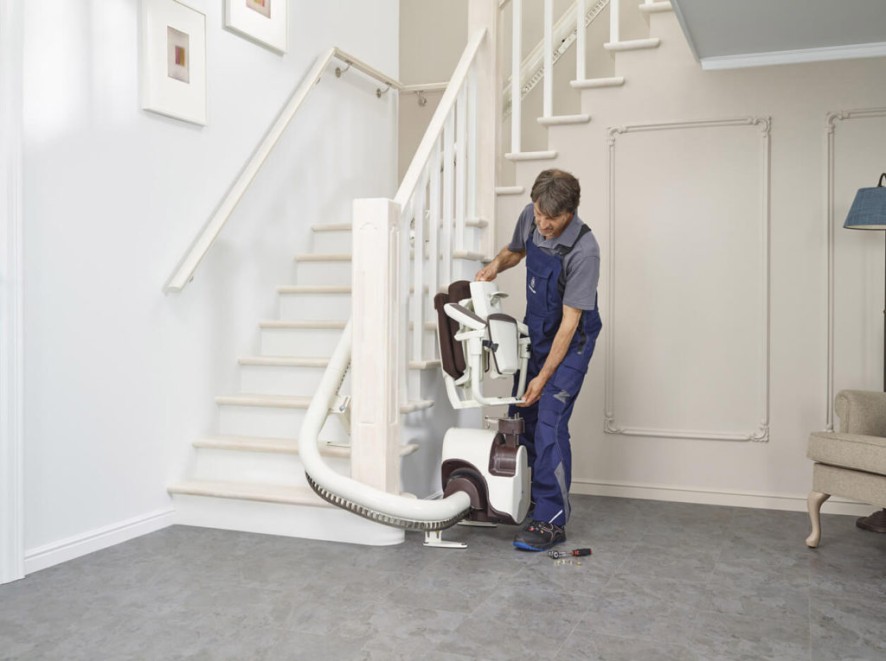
{"points": [[476, 338]]}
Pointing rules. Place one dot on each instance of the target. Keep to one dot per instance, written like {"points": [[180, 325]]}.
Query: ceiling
{"points": [[745, 33]]}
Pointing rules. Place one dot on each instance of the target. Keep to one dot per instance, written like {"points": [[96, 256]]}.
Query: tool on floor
{"points": [[484, 472], [574, 553]]}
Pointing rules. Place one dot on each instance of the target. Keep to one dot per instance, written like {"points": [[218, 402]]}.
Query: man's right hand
{"points": [[487, 273]]}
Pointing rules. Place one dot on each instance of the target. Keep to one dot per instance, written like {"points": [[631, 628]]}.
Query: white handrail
{"points": [[435, 127], [184, 270]]}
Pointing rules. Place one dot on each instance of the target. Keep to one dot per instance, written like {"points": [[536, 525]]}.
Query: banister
{"points": [[447, 102], [184, 270]]}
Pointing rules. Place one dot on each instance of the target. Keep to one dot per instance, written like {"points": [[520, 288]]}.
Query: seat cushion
{"points": [[866, 453]]}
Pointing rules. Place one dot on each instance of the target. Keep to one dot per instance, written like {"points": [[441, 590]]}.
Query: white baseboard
{"points": [[789, 503], [96, 540]]}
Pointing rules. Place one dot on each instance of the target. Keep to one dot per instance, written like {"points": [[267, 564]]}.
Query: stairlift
{"points": [[485, 473]]}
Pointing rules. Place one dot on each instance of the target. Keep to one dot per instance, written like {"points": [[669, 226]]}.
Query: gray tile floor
{"points": [[665, 581]]}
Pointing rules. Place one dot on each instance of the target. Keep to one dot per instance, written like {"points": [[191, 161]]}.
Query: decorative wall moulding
{"points": [[831, 120], [760, 433], [172, 52], [261, 21]]}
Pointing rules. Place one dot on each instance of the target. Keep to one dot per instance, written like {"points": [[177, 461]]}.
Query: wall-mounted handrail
{"points": [[184, 270]]}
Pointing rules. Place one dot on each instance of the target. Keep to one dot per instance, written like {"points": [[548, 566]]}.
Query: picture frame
{"points": [[261, 21], [172, 55]]}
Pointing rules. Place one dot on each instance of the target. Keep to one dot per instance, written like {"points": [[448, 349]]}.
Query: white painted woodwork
{"points": [[320, 303], [301, 339], [516, 58], [12, 394], [377, 350], [270, 511], [548, 91], [614, 20], [580, 39]]}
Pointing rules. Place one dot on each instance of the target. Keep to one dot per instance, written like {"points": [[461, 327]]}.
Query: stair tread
{"points": [[270, 493], [271, 401], [266, 444], [556, 120], [286, 324], [651, 7], [314, 289], [531, 155], [282, 445], [282, 361], [632, 44], [332, 227], [323, 257], [592, 83]]}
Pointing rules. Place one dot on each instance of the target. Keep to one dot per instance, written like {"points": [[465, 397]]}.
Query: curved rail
{"points": [[368, 502]]}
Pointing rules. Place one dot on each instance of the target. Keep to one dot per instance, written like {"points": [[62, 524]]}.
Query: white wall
{"points": [[120, 378]]}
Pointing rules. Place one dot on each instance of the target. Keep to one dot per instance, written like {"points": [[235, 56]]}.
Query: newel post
{"points": [[376, 354], [484, 14]]}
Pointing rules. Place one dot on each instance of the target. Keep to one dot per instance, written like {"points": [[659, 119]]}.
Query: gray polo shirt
{"points": [[581, 266]]}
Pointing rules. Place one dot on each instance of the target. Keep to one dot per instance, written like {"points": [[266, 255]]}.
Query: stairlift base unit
{"points": [[492, 469]]}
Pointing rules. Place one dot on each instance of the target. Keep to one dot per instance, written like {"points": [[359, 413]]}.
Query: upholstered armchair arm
{"points": [[861, 412]]}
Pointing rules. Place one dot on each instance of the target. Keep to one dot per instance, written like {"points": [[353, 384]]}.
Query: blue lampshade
{"points": [[868, 211]]}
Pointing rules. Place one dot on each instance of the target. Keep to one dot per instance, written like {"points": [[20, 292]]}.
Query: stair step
{"points": [[302, 338], [424, 364], [559, 120], [264, 401], [332, 227], [314, 289], [268, 444], [266, 493], [282, 361], [531, 156], [321, 324], [468, 255], [417, 405], [479, 223], [594, 83], [509, 190], [633, 44], [652, 7], [275, 510], [323, 257], [281, 375], [318, 303]]}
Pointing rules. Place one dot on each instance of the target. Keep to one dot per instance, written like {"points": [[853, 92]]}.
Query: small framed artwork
{"points": [[262, 21], [172, 51]]}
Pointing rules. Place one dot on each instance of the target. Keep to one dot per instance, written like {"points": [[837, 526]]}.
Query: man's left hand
{"points": [[533, 391]]}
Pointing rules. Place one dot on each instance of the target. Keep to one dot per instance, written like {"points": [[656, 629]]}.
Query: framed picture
{"points": [[172, 51], [262, 21]]}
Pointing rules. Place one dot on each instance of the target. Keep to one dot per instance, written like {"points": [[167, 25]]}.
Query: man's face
{"points": [[550, 227]]}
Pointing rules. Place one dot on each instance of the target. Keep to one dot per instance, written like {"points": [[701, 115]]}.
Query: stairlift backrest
{"points": [[475, 329]]}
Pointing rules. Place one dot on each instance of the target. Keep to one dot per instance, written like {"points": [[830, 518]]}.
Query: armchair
{"points": [[852, 462]]}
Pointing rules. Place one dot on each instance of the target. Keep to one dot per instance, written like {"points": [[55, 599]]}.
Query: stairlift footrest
{"points": [[434, 538], [477, 524]]}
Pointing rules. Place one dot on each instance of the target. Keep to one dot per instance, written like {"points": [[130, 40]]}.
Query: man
{"points": [[562, 271]]}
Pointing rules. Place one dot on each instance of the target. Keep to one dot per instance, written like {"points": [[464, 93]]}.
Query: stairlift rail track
{"points": [[345, 492]]}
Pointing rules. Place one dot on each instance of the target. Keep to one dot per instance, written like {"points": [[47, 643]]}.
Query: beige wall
{"points": [[685, 287]]}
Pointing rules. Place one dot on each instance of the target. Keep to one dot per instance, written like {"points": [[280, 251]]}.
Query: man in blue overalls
{"points": [[562, 271]]}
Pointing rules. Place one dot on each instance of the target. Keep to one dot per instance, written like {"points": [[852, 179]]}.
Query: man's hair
{"points": [[556, 192]]}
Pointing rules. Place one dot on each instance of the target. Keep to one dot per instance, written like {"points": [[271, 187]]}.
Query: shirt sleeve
{"points": [[522, 230], [582, 275]]}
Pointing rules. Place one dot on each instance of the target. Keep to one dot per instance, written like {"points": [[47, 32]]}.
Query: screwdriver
{"points": [[569, 554]]}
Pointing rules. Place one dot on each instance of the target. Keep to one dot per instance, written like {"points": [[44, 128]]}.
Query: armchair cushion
{"points": [[865, 453]]}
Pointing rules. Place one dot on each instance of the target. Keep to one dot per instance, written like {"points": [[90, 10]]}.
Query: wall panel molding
{"points": [[762, 125], [831, 120]]}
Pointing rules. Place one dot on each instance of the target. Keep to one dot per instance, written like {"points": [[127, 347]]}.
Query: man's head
{"points": [[555, 197]]}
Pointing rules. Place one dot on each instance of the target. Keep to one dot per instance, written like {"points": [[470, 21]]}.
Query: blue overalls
{"points": [[546, 429]]}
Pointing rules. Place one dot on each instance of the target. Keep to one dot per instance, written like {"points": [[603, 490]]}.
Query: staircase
{"points": [[247, 476]]}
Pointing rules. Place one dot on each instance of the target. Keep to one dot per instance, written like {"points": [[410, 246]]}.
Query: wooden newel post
{"points": [[376, 354]]}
